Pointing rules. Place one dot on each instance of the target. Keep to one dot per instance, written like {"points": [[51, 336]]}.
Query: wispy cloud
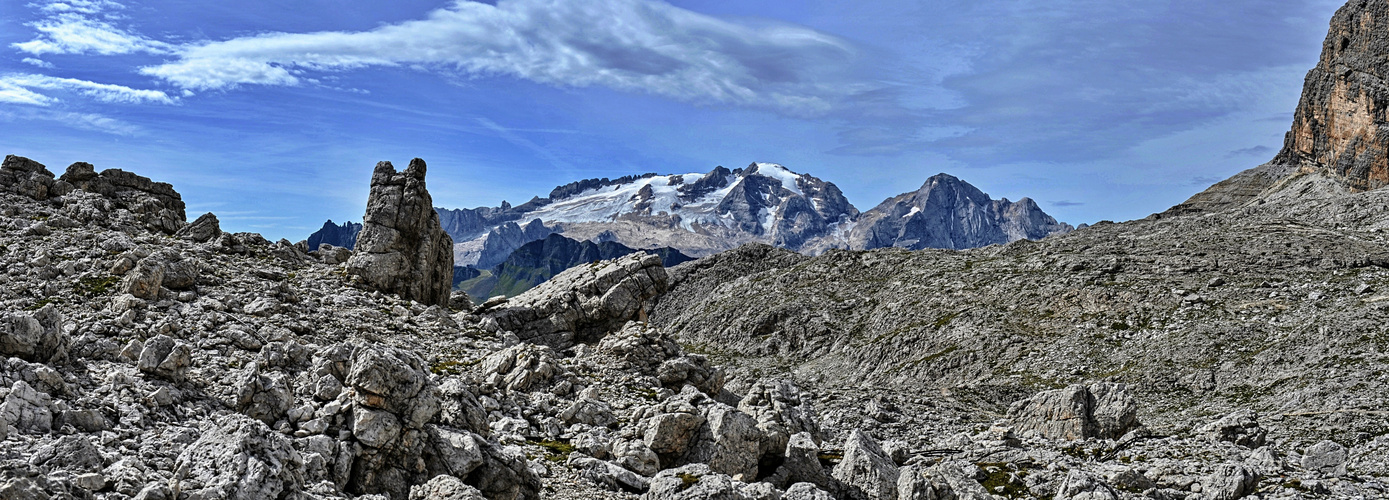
{"points": [[631, 45], [1250, 151], [37, 62], [1067, 203], [18, 89], [85, 121], [76, 32]]}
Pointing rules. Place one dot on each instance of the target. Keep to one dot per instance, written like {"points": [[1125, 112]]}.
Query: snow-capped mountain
{"points": [[701, 214], [698, 214]]}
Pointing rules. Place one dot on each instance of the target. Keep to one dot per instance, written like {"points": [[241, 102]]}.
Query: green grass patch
{"points": [[686, 480], [999, 480], [556, 451], [43, 302], [96, 286]]}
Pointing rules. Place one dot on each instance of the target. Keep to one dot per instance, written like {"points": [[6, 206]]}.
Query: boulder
{"points": [[1240, 427], [694, 482], [203, 230], [608, 475], [401, 248], [1230, 482], [1080, 485], [866, 471], [27, 177], [445, 487], [26, 409], [583, 302], [36, 337], [238, 457], [1102, 410], [1327, 458], [166, 358], [264, 396]]}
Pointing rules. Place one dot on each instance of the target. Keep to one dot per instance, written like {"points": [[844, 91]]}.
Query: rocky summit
{"points": [[401, 248]]}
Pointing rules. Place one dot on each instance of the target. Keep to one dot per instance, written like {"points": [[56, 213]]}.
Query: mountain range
{"points": [[703, 214]]}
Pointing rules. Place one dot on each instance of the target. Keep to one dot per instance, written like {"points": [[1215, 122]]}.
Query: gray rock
{"points": [[264, 396], [27, 177], [27, 410], [609, 475], [445, 487], [1080, 485], [807, 491], [1229, 482], [166, 358], [949, 213], [693, 482], [866, 471], [1327, 458], [74, 453], [1240, 427], [1101, 410], [238, 457], [402, 248], [671, 433], [203, 230], [36, 337], [584, 302], [802, 462]]}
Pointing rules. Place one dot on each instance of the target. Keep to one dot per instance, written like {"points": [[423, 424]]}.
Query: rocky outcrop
{"points": [[339, 235], [203, 230], [506, 238], [949, 213], [155, 204], [36, 337], [866, 471], [538, 261], [1104, 411], [401, 248], [238, 457], [583, 302]]}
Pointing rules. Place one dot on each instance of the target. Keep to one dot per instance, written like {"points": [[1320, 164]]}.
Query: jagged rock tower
{"points": [[402, 249], [1341, 122]]}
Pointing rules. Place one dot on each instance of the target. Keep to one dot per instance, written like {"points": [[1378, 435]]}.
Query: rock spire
{"points": [[402, 248]]}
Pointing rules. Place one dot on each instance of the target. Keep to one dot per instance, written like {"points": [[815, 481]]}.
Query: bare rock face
{"points": [[1340, 121], [27, 177], [584, 301], [1103, 410], [402, 248], [155, 204], [36, 337], [241, 458]]}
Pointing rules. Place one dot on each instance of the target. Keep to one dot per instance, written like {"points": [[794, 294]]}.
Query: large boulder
{"points": [[1102, 410], [584, 302], [36, 337], [401, 248], [21, 175], [866, 471], [241, 458], [203, 230]]}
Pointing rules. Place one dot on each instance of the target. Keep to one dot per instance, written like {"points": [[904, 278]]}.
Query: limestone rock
{"points": [[609, 475], [1230, 482], [445, 487], [1101, 410], [238, 457], [1327, 458], [584, 302], [866, 470], [1240, 427], [401, 248], [264, 396], [165, 357], [203, 230], [949, 213], [36, 337], [21, 175], [693, 482], [155, 204], [1080, 485], [26, 409]]}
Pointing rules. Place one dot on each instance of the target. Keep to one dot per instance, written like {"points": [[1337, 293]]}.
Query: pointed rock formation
{"points": [[401, 248]]}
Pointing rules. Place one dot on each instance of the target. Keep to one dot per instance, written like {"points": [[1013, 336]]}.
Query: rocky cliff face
{"points": [[506, 238], [401, 248], [949, 213], [1340, 130], [339, 235]]}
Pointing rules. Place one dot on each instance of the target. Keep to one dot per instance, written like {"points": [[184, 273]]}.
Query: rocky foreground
{"points": [[154, 359]]}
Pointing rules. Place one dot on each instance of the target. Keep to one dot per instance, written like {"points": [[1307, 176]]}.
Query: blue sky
{"points": [[272, 114]]}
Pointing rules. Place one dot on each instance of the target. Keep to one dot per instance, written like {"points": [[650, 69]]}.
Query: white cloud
{"points": [[36, 62], [75, 33], [635, 45], [17, 88], [80, 6], [85, 121]]}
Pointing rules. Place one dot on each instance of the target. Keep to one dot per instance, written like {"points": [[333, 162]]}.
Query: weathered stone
{"points": [[1327, 458], [264, 396], [1102, 410], [402, 248], [27, 410], [584, 302], [1241, 427], [445, 487], [203, 230], [36, 337], [165, 357], [1080, 485], [693, 482], [155, 204], [866, 471], [1229, 482], [609, 475], [238, 457]]}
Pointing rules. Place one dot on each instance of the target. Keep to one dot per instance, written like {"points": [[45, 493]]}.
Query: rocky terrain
{"points": [[1231, 348]]}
